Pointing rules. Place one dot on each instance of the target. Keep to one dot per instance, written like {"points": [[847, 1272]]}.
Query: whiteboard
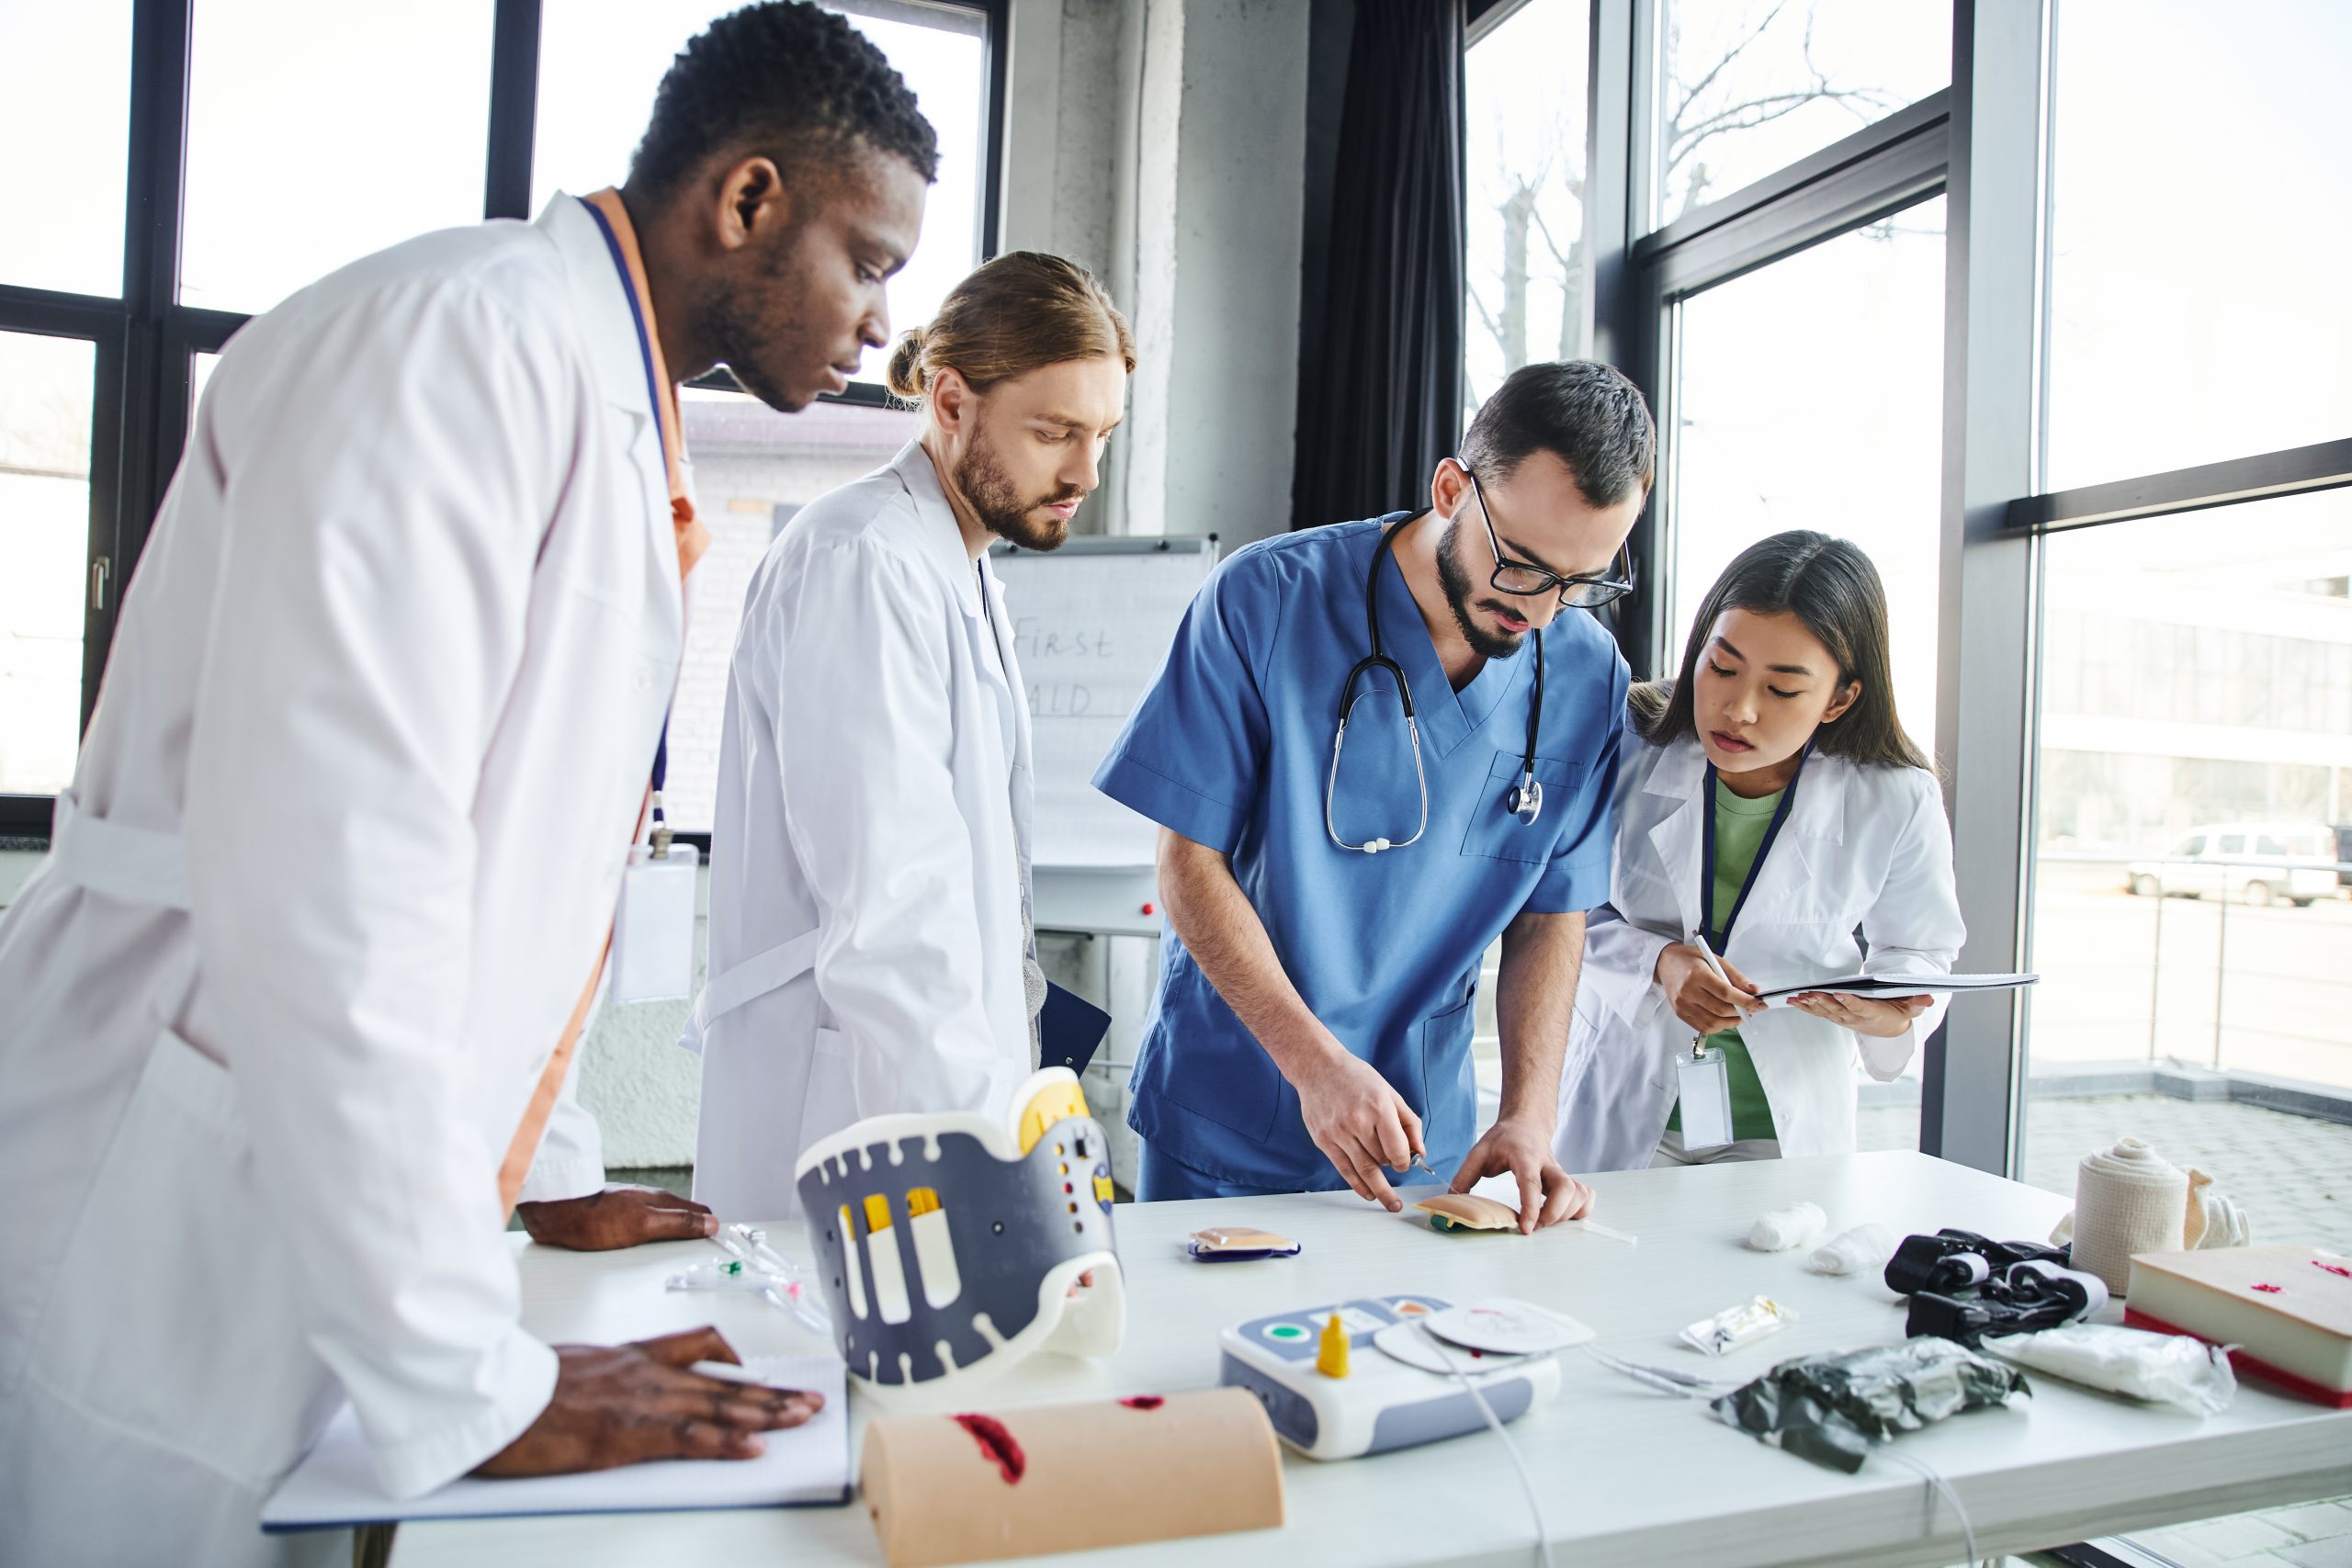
{"points": [[1092, 623]]}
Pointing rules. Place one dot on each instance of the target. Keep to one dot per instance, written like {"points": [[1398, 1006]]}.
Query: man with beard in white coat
{"points": [[870, 939], [290, 1003]]}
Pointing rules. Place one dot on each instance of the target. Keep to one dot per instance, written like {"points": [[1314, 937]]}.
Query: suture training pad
{"points": [[1067, 1477]]}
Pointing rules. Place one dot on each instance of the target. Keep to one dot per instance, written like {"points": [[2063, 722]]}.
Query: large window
{"points": [[1524, 145], [2196, 305], [45, 405], [2196, 753], [196, 164], [2192, 831], [274, 197], [1747, 87], [65, 89], [1811, 395]]}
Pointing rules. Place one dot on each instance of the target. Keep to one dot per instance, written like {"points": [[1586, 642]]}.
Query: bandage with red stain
{"points": [[998, 1443]]}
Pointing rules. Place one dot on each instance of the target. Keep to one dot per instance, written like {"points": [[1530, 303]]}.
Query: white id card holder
{"points": [[654, 929], [1704, 1079]]}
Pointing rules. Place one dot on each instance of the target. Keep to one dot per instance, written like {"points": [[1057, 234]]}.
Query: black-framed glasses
{"points": [[1526, 581]]}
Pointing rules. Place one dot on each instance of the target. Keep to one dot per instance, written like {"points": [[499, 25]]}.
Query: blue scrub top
{"points": [[1231, 747]]}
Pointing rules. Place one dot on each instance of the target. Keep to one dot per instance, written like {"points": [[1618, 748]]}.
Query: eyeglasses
{"points": [[1525, 580]]}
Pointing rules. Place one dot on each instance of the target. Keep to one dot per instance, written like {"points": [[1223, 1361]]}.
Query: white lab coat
{"points": [[1864, 848], [869, 885], [339, 854]]}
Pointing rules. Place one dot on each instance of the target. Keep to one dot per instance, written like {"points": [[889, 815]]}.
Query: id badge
{"points": [[654, 929], [1704, 1079]]}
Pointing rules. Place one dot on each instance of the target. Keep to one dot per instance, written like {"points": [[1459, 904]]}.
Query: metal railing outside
{"points": [[2222, 870]]}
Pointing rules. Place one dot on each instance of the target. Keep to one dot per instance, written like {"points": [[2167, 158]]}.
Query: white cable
{"points": [[1686, 1386], [1967, 1530], [1526, 1482]]}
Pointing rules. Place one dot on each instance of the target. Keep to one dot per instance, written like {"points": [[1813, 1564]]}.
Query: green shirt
{"points": [[1740, 826]]}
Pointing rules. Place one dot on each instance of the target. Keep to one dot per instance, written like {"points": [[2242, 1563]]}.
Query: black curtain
{"points": [[1380, 384]]}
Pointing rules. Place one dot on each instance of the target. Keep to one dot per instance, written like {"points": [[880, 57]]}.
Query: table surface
{"points": [[1625, 1476]]}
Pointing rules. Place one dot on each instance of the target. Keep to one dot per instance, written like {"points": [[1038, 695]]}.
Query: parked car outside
{"points": [[2248, 863]]}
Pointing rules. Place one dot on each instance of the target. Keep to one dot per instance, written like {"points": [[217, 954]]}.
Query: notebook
{"points": [[334, 1488], [2285, 1311], [1898, 985]]}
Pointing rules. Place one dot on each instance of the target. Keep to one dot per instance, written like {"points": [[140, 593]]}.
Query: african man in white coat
{"points": [[290, 1002]]}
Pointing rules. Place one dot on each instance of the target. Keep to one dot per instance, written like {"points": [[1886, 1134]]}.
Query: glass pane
{"points": [[752, 470], [1749, 86], [2194, 274], [1526, 157], [65, 89], [46, 394], [2195, 728], [318, 134], [199, 372], [1810, 395], [600, 62]]}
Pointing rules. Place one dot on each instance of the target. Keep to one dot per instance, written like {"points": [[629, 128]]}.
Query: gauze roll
{"points": [[1862, 1250], [1784, 1228], [2128, 1199]]}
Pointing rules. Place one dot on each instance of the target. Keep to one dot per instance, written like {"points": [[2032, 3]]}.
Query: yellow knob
{"points": [[1331, 1355]]}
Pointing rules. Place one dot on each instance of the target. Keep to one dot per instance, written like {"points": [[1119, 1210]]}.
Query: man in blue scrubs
{"points": [[1328, 909]]}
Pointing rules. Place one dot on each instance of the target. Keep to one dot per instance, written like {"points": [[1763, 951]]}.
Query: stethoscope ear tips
{"points": [[1377, 845]]}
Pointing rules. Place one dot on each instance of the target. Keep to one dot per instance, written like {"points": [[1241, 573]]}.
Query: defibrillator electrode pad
{"points": [[951, 1245]]}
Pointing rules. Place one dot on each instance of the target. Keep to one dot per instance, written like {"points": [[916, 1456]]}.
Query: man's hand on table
{"points": [[617, 1405], [617, 1217], [1358, 1121], [1519, 1147]]}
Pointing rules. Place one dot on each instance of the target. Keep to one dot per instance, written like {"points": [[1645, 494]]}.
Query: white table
{"points": [[1627, 1475]]}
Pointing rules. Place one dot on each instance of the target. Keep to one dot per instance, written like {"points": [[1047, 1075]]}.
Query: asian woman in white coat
{"points": [[340, 854], [1775, 809], [870, 941]]}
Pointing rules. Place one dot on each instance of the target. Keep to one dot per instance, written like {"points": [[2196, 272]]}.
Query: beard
{"points": [[1001, 508], [737, 328], [1454, 577]]}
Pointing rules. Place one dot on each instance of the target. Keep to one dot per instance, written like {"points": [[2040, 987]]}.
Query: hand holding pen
{"points": [[1705, 992]]}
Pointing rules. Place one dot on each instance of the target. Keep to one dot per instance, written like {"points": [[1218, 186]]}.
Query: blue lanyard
{"points": [[661, 436], [1707, 871]]}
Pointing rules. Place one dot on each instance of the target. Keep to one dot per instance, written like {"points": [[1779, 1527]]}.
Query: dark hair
{"points": [[772, 78], [1831, 586], [1584, 413], [1019, 312]]}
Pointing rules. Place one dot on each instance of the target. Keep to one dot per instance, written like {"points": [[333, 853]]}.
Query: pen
{"points": [[1699, 940]]}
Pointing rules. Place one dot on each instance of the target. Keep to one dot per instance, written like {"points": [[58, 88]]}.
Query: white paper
{"points": [[335, 1487]]}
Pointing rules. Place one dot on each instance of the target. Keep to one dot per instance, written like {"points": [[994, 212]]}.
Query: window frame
{"points": [[147, 339]]}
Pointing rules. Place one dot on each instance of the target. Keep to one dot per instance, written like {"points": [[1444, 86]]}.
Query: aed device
{"points": [[1395, 1391]]}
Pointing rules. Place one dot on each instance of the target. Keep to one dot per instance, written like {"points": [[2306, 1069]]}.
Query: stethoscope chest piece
{"points": [[1526, 800]]}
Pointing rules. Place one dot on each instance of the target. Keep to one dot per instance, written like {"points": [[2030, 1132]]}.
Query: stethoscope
{"points": [[1526, 799]]}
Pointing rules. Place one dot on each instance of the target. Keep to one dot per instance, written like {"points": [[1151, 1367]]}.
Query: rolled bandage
{"points": [[1862, 1250], [2128, 1199], [1784, 1228]]}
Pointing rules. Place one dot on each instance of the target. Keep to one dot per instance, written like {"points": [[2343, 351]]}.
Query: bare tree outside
{"points": [[1746, 85]]}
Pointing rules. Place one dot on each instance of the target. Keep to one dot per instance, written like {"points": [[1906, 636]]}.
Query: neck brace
{"points": [[951, 1245]]}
